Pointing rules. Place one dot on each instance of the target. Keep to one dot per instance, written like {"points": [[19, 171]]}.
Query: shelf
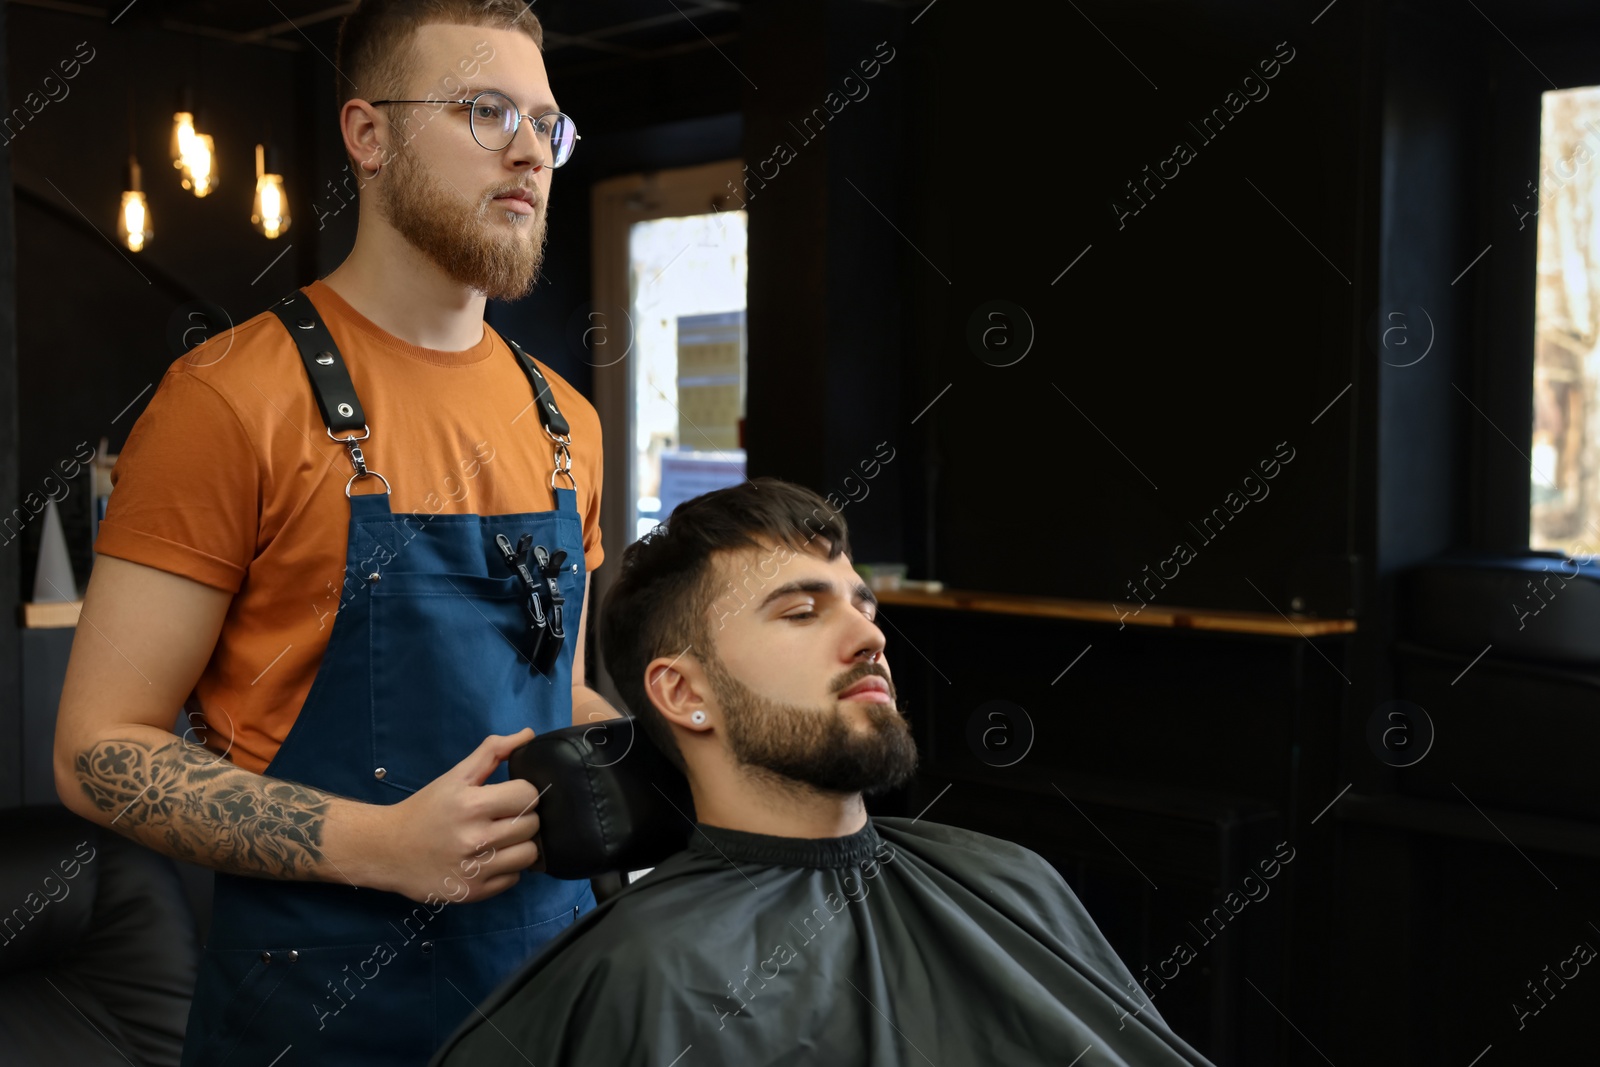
{"points": [[1179, 618], [49, 616]]}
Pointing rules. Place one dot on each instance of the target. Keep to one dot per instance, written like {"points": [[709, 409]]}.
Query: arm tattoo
{"points": [[181, 799]]}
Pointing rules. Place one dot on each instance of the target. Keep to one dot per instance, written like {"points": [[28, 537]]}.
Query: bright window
{"points": [[1565, 452], [688, 278]]}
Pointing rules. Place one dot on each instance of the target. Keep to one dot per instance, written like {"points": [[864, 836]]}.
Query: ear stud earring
{"points": [[698, 718]]}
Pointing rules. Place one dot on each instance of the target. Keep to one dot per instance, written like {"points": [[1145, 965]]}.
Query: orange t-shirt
{"points": [[229, 478]]}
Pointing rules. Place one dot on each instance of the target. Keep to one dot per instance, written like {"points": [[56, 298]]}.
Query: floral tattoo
{"points": [[180, 799]]}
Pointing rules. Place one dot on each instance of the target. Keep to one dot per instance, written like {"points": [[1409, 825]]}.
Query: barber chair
{"points": [[98, 945]]}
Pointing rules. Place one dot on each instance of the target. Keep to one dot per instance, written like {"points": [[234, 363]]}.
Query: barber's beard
{"points": [[814, 746], [472, 242]]}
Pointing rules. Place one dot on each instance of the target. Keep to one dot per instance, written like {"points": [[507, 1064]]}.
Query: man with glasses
{"points": [[351, 537]]}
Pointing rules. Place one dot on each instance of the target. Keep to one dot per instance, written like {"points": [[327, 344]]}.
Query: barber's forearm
{"points": [[185, 801], [589, 706]]}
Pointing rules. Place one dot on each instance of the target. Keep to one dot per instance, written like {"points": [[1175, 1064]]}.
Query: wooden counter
{"points": [[1240, 622]]}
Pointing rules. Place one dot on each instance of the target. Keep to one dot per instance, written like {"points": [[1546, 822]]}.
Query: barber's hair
{"points": [[377, 41], [664, 595]]}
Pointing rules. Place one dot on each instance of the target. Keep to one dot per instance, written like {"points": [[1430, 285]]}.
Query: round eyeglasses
{"points": [[495, 119]]}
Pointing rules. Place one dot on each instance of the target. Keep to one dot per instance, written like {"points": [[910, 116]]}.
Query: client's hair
{"points": [[662, 600]]}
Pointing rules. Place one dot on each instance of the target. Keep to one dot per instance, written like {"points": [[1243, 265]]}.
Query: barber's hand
{"points": [[458, 839]]}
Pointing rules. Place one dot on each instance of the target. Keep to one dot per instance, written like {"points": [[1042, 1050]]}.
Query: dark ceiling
{"points": [[579, 32], [576, 31]]}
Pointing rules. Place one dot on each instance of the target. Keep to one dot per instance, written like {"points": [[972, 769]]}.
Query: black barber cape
{"points": [[905, 943]]}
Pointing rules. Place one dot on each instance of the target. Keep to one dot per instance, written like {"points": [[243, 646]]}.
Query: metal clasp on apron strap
{"points": [[358, 460], [563, 459]]}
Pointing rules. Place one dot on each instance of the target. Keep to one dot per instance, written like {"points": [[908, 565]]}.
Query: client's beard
{"points": [[463, 239], [816, 747]]}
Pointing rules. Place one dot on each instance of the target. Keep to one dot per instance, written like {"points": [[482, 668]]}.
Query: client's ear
{"points": [[678, 688]]}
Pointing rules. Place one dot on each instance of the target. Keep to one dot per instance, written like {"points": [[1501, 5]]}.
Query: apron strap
{"points": [[555, 423], [330, 380]]}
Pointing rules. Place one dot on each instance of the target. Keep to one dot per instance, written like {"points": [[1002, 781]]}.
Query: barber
{"points": [[352, 536]]}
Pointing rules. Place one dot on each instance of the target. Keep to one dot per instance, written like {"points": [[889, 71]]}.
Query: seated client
{"points": [[794, 929]]}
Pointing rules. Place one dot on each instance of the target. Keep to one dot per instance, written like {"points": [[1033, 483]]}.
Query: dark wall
{"points": [[828, 185], [1209, 320]]}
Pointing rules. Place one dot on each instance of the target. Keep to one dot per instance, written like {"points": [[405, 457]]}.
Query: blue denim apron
{"points": [[427, 657]]}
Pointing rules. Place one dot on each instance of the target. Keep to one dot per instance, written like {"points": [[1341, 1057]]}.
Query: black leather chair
{"points": [[98, 946]]}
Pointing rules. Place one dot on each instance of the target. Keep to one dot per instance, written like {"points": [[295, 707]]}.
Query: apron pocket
{"points": [[472, 967], [230, 988], [350, 1005], [449, 660]]}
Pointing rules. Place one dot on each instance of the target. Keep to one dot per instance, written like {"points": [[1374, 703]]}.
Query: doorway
{"points": [[666, 334]]}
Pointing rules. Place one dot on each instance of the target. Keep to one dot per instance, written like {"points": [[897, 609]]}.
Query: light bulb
{"points": [[133, 221], [182, 137], [200, 165], [270, 213]]}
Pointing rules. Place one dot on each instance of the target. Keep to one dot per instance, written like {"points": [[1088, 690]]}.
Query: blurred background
{"points": [[1210, 388]]}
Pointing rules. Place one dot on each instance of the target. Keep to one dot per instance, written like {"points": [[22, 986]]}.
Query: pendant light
{"points": [[133, 216], [193, 152], [200, 165], [183, 127], [270, 212]]}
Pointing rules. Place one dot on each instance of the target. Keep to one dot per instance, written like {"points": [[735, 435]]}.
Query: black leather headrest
{"points": [[608, 799]]}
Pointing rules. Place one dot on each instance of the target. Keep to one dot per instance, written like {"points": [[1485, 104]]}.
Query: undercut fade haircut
{"points": [[661, 603], [377, 49]]}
